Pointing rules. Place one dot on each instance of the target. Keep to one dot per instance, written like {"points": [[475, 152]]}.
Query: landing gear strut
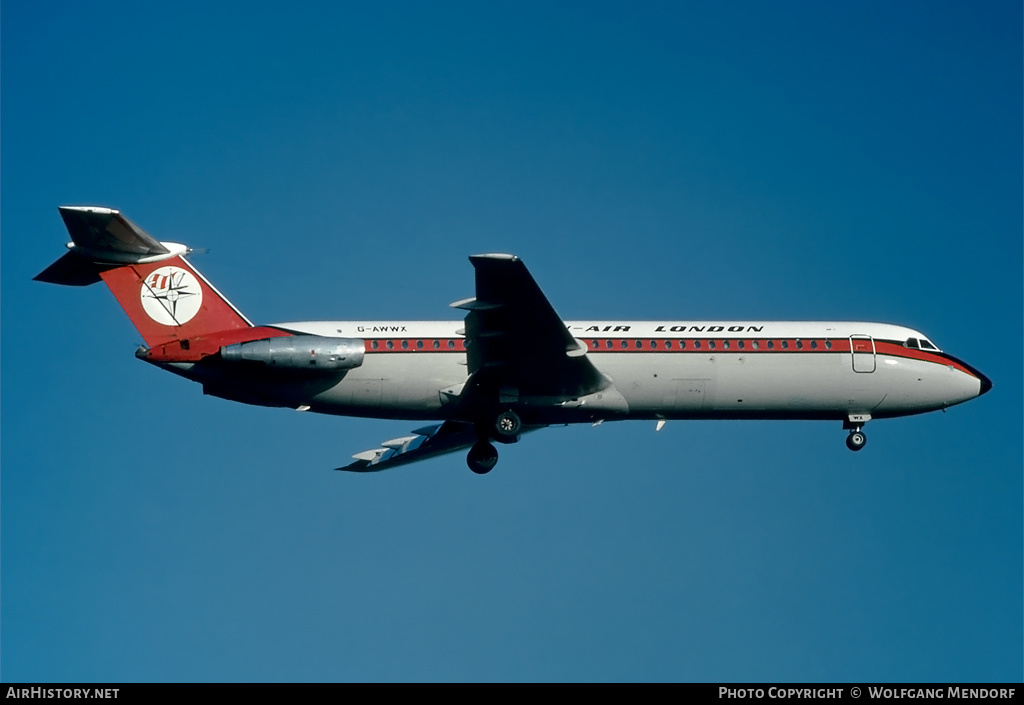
{"points": [[482, 457]]}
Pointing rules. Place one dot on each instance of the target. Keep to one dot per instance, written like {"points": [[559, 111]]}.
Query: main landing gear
{"points": [[854, 423], [507, 427], [483, 456]]}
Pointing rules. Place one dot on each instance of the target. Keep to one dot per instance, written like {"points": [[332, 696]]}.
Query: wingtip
{"points": [[88, 209], [355, 467]]}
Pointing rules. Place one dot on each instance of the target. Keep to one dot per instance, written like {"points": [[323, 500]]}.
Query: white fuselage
{"points": [[664, 370], [512, 364]]}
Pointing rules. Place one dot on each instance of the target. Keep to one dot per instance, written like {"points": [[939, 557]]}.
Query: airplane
{"points": [[512, 366]]}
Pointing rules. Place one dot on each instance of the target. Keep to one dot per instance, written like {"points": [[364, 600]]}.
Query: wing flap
{"points": [[426, 443]]}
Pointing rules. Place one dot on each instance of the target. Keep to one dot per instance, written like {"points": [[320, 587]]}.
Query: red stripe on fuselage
{"points": [[886, 347], [409, 345], [819, 346]]}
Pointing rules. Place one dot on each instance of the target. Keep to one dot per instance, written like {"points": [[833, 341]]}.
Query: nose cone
{"points": [[986, 383]]}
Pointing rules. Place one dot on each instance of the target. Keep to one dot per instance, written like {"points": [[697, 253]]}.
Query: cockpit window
{"points": [[925, 345], [911, 343]]}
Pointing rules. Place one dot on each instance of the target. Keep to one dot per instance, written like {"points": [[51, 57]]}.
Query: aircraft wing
{"points": [[517, 347], [428, 442], [518, 351]]}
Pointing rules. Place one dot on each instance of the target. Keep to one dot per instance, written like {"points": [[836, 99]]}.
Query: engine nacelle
{"points": [[299, 352]]}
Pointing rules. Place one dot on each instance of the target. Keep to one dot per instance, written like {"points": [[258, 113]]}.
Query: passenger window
{"points": [[711, 345], [405, 345], [771, 345], [725, 345], [451, 344], [696, 345], [799, 345], [389, 345], [624, 345], [739, 345], [639, 345], [654, 345], [814, 345], [682, 345], [668, 344], [754, 345], [374, 345], [419, 344], [785, 345], [437, 344], [828, 344], [608, 344]]}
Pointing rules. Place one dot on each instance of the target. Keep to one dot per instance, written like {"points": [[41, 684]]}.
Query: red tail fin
{"points": [[164, 296], [170, 300]]}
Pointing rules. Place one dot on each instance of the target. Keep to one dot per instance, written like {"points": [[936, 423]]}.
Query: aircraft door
{"points": [[863, 349]]}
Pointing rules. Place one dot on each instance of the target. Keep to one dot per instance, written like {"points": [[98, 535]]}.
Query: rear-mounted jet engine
{"points": [[299, 352]]}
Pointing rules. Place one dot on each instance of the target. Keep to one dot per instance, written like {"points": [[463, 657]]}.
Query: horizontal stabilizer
{"points": [[105, 230], [166, 298], [102, 239], [70, 270]]}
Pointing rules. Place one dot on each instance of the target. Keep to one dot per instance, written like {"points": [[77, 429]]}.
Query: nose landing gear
{"points": [[854, 423]]}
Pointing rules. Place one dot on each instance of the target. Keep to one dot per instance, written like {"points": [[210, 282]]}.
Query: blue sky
{"points": [[679, 160]]}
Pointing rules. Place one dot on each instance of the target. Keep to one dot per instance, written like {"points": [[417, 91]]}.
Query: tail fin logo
{"points": [[171, 296]]}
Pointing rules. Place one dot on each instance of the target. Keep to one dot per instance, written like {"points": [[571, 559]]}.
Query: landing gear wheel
{"points": [[482, 458], [856, 440], [507, 426]]}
